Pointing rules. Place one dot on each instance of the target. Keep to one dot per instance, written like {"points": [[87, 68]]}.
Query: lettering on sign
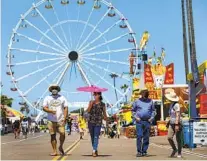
{"points": [[200, 133]]}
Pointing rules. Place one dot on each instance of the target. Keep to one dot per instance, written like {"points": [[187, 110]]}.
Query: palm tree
{"points": [[22, 109], [185, 48], [114, 76], [124, 87]]}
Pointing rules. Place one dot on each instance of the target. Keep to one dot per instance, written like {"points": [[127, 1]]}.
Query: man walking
{"points": [[57, 108], [143, 113]]}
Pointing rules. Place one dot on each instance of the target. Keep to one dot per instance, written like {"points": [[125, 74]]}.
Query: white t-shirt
{"points": [[57, 105]]}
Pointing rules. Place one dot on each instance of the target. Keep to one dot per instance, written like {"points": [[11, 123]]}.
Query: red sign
{"points": [[203, 104], [148, 78], [169, 75]]}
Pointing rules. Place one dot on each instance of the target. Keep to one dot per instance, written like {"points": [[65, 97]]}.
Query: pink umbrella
{"points": [[92, 88]]}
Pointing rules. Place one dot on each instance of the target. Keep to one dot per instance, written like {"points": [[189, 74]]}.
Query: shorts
{"points": [[56, 127], [81, 129]]}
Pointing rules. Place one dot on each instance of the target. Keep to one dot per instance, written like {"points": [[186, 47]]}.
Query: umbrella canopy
{"points": [[92, 89]]}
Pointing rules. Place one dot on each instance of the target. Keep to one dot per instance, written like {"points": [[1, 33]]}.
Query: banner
{"points": [[135, 83], [200, 133], [148, 78], [169, 75]]}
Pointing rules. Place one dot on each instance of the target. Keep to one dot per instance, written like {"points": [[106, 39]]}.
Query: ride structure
{"points": [[71, 44]]}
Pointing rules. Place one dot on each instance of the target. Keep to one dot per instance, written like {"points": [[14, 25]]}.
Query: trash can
{"points": [[188, 135]]}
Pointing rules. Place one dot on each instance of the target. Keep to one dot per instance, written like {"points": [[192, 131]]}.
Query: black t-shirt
{"points": [[69, 121], [16, 124]]}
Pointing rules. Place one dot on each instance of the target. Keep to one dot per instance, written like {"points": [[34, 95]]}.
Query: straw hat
{"points": [[52, 86], [172, 96], [169, 90]]}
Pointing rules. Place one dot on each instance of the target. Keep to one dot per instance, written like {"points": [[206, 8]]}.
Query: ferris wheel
{"points": [[72, 43]]}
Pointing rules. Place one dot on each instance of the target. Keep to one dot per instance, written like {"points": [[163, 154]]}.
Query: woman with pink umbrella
{"points": [[97, 112]]}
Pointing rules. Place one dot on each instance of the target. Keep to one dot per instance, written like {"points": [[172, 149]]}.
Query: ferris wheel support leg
{"points": [[38, 116], [84, 75], [63, 73]]}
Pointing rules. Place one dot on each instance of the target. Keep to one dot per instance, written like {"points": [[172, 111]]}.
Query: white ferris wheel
{"points": [[72, 43]]}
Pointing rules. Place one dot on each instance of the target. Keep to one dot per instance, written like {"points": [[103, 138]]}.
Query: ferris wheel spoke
{"points": [[46, 90], [98, 75], [94, 29], [93, 82], [107, 42], [37, 52], [60, 79], [40, 43], [86, 24], [37, 61], [38, 11], [39, 70], [83, 74], [106, 52], [103, 33], [46, 36], [47, 76], [69, 29], [107, 70], [107, 61], [63, 32]]}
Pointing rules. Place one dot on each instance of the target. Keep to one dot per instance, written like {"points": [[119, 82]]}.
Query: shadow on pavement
{"points": [[97, 156]]}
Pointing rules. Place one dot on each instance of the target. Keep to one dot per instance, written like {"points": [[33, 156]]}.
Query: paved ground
{"points": [[37, 147]]}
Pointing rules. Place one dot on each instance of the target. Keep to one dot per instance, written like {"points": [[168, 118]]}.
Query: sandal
{"points": [[53, 154]]}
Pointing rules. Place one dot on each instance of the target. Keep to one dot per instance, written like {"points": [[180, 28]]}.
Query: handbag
{"points": [[86, 115]]}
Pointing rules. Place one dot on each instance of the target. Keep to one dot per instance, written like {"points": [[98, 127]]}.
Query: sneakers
{"points": [[144, 154], [173, 153], [179, 156], [139, 154], [94, 153]]}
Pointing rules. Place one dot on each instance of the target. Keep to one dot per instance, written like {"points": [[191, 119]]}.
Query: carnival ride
{"points": [[54, 39]]}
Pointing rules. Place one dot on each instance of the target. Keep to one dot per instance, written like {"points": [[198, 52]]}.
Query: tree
{"points": [[124, 87], [22, 109], [114, 76], [5, 100]]}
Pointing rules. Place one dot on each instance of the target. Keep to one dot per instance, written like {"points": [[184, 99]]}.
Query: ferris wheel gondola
{"points": [[44, 50]]}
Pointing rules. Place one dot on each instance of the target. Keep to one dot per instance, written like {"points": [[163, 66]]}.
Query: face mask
{"points": [[54, 92]]}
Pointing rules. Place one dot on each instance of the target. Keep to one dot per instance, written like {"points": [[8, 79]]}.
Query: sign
{"points": [[78, 104], [169, 75], [148, 78], [200, 133]]}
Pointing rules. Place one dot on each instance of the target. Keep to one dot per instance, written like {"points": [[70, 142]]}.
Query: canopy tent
{"points": [[10, 112]]}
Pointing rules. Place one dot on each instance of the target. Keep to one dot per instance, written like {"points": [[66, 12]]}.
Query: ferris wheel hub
{"points": [[73, 56]]}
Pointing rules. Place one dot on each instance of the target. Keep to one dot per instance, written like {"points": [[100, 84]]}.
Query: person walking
{"points": [[69, 124], [97, 112], [16, 128], [175, 124], [143, 113], [81, 125], [25, 127], [56, 106]]}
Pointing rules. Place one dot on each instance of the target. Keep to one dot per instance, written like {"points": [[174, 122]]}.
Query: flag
{"points": [[163, 54]]}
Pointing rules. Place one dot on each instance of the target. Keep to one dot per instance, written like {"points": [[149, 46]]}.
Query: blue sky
{"points": [[162, 18]]}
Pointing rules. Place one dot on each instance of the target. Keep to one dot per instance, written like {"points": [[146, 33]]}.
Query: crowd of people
{"points": [[91, 120]]}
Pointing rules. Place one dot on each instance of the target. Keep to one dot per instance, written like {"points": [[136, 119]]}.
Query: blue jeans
{"points": [[95, 133], [143, 134]]}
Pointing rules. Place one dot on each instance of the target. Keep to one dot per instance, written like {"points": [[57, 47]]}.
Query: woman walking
{"points": [[97, 111], [82, 126], [174, 127]]}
